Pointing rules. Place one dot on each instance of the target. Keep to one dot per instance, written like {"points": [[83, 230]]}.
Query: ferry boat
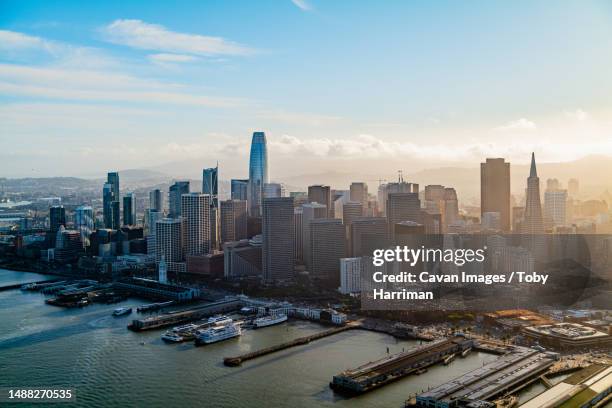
{"points": [[448, 359], [172, 337], [269, 320], [218, 333], [185, 328], [122, 311], [219, 320]]}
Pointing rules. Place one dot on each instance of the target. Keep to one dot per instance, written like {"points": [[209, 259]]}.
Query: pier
{"points": [[380, 372], [237, 360], [19, 285], [185, 316]]}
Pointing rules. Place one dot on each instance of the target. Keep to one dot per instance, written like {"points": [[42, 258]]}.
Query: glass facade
{"points": [[258, 172]]}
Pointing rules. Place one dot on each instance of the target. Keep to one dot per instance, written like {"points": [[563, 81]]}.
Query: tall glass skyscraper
{"points": [[258, 172], [210, 184]]}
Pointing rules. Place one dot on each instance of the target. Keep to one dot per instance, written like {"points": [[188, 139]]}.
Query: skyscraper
{"points": [[239, 189], [169, 242], [327, 247], [495, 190], [322, 195], [278, 239], [210, 186], [174, 197], [129, 209], [107, 205], [57, 217], [233, 220], [555, 207], [195, 212], [272, 190], [84, 222], [298, 213], [450, 213], [368, 234], [573, 187], [310, 211], [258, 173], [156, 200], [533, 223], [116, 215], [359, 192], [403, 207], [350, 275], [113, 180]]}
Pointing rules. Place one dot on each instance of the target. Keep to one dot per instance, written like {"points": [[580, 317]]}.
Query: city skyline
{"points": [[131, 88]]}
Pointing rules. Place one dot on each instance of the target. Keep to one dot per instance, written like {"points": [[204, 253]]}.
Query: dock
{"points": [[185, 316], [237, 360], [380, 372], [19, 285]]}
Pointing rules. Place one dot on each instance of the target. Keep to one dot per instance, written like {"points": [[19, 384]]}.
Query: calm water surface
{"points": [[109, 366]]}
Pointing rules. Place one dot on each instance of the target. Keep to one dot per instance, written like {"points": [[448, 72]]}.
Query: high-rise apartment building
{"points": [[169, 242], [350, 275], [495, 190], [278, 236], [210, 186], [258, 173]]}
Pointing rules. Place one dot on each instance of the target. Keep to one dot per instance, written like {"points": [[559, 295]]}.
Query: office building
{"points": [[116, 215], [450, 208], [174, 197], [242, 259], [403, 207], [495, 190], [107, 205], [350, 275], [298, 213], [322, 195], [555, 207], [84, 223], [359, 192], [390, 188], [195, 210], [239, 189], [278, 239], [156, 200], [310, 211], [368, 234], [258, 173], [210, 184], [233, 220], [327, 247], [573, 187], [272, 190], [57, 218], [533, 222], [129, 209]]}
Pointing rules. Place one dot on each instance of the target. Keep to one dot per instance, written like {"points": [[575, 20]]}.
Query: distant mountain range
{"points": [[594, 173]]}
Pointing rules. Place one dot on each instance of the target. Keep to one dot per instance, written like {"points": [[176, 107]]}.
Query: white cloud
{"points": [[519, 124], [577, 114], [99, 86], [171, 58], [302, 4], [146, 36]]}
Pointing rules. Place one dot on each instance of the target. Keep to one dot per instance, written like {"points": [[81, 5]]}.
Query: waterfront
{"points": [[89, 350]]}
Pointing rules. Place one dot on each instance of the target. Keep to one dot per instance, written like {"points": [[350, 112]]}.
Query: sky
{"points": [[350, 86]]}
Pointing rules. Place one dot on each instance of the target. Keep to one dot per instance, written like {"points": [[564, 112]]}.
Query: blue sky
{"points": [[88, 86]]}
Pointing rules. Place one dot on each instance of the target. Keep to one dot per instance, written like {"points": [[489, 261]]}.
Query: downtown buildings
{"points": [[495, 190], [258, 173]]}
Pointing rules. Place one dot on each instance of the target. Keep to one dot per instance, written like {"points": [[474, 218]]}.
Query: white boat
{"points": [[185, 328], [269, 320], [219, 320], [122, 311], [172, 337], [218, 333]]}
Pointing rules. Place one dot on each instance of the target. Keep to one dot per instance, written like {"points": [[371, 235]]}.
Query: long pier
{"points": [[184, 316], [237, 360], [18, 285], [380, 372]]}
